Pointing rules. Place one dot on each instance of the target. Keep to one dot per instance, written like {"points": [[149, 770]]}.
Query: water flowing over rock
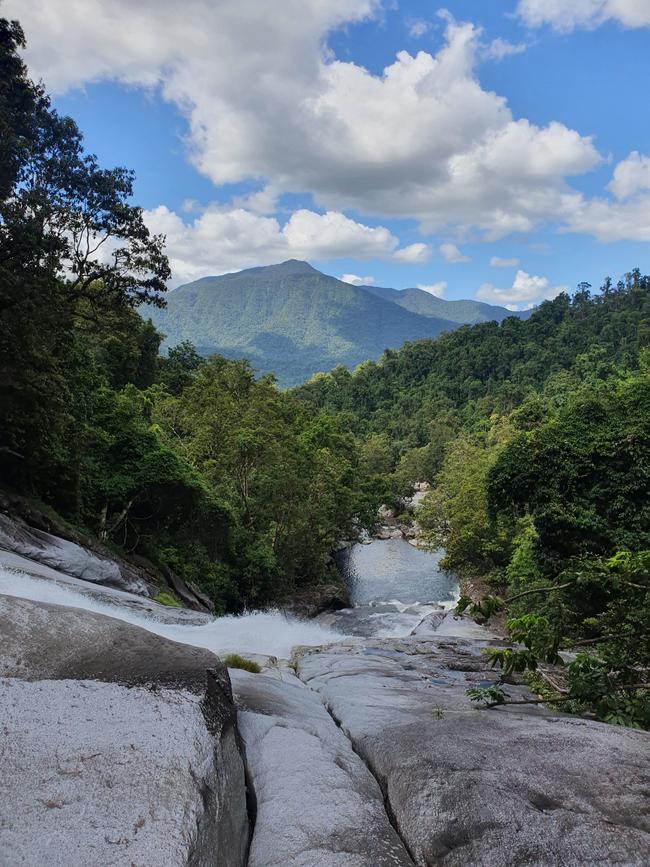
{"points": [[120, 747], [119, 751], [86, 559]]}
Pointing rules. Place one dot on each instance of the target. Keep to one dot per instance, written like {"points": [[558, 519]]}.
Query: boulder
{"points": [[309, 602], [73, 559], [509, 786], [17, 574], [317, 805], [187, 592], [119, 747]]}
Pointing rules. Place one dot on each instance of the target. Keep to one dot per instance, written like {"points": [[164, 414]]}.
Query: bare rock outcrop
{"points": [[498, 788], [119, 746]]}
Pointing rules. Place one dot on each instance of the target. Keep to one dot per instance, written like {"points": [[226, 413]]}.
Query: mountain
{"points": [[467, 312], [293, 321]]}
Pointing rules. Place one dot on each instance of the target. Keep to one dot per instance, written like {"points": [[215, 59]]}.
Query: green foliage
{"points": [[490, 695], [165, 598], [455, 514], [234, 660], [467, 375], [193, 464], [537, 442], [286, 473]]}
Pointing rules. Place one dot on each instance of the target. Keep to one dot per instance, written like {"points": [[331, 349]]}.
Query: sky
{"points": [[496, 149]]}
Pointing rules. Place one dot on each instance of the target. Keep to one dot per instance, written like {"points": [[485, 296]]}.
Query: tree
{"points": [[71, 246]]}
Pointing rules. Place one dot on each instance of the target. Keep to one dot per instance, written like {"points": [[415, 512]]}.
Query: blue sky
{"points": [[492, 148]]}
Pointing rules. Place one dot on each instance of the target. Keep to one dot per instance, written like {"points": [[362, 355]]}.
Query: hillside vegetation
{"points": [[535, 436], [194, 464]]}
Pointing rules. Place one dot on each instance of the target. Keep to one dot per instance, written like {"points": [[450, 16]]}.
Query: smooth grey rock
{"points": [[119, 746], [73, 559], [429, 624], [317, 803], [510, 786], [108, 597], [452, 625]]}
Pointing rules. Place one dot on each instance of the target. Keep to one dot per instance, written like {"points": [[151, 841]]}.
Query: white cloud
{"points": [[437, 289], [609, 221], [228, 239], [565, 15], [416, 27], [626, 217], [498, 262], [526, 290], [500, 48], [265, 100], [357, 281], [631, 176], [414, 253], [332, 235], [450, 253]]}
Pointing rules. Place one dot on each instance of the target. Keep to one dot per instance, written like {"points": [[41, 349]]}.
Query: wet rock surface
{"points": [[317, 805], [87, 560], [108, 597], [510, 786], [312, 601], [69, 557], [119, 746]]}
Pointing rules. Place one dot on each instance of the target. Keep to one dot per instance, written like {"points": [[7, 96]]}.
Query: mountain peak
{"points": [[294, 266]]}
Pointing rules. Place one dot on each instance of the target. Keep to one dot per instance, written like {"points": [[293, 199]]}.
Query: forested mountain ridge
{"points": [[463, 312], [488, 367], [291, 320]]}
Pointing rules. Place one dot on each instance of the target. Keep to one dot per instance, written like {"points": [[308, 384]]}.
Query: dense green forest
{"points": [[193, 464], [535, 437]]}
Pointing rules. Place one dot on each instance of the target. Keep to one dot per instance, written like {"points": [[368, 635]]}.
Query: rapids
{"points": [[403, 594]]}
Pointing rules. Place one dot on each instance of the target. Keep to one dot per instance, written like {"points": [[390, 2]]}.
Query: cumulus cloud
{"points": [[526, 291], [414, 253], [437, 289], [609, 221], [333, 235], [626, 216], [566, 15], [450, 253], [266, 100], [630, 176], [357, 281], [222, 239]]}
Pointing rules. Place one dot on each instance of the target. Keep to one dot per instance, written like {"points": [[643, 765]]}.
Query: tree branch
{"points": [[537, 590]]}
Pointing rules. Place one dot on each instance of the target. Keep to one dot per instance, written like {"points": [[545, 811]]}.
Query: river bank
{"points": [[354, 746]]}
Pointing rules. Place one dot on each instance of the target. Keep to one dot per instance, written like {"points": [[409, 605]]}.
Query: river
{"points": [[392, 585]]}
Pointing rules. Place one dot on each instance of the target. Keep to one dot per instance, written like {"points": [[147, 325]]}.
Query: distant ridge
{"points": [[425, 304], [291, 320]]}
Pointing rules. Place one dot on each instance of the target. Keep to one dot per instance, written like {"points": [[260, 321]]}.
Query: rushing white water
{"points": [[394, 580], [267, 633]]}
